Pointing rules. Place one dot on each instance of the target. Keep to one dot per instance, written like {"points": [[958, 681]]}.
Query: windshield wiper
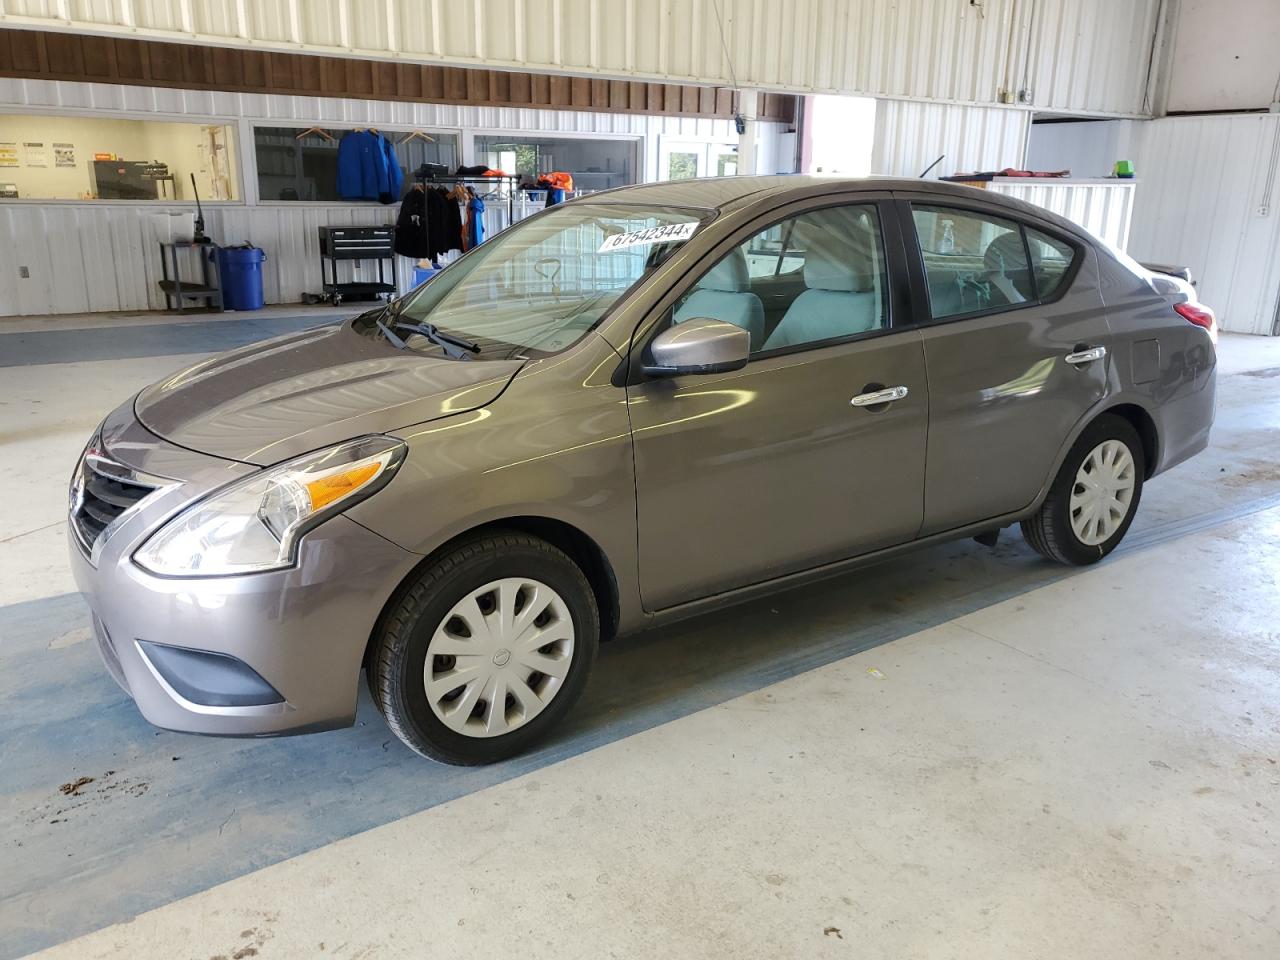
{"points": [[395, 341], [459, 348]]}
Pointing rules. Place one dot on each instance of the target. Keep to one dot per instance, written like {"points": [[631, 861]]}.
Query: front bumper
{"points": [[300, 632]]}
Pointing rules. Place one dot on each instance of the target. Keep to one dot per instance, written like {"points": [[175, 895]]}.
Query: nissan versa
{"points": [[629, 408]]}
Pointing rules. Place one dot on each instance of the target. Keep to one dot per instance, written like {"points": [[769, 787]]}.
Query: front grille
{"points": [[100, 492]]}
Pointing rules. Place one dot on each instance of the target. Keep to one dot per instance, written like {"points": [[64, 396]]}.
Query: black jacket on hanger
{"points": [[412, 231]]}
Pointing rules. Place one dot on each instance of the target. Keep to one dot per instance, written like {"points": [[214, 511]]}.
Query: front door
{"points": [[773, 469], [1007, 347]]}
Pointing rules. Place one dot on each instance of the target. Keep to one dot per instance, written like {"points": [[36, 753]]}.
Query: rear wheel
{"points": [[486, 650], [1094, 497]]}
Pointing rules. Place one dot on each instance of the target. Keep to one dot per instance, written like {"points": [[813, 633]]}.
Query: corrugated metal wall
{"points": [[1072, 54], [86, 257], [1208, 197], [1104, 209], [910, 135]]}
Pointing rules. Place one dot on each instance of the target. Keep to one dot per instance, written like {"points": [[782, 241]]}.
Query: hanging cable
{"points": [[740, 122]]}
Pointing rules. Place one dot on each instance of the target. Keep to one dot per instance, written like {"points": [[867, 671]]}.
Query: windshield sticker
{"points": [[672, 233]]}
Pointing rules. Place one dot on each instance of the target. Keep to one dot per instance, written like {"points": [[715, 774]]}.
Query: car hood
{"points": [[283, 397]]}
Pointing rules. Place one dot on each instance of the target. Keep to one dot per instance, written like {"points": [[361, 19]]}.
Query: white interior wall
{"points": [[1226, 55], [1208, 197], [1069, 55], [910, 135], [103, 256], [1087, 148]]}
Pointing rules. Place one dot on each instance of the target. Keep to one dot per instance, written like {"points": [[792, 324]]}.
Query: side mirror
{"points": [[699, 345]]}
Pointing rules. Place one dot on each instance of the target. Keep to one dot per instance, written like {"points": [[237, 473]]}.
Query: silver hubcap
{"points": [[1102, 493], [499, 657]]}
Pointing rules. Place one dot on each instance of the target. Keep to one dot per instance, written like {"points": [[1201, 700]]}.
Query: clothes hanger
{"points": [[418, 135], [319, 132]]}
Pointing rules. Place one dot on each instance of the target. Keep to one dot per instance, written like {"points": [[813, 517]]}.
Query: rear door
{"points": [[1014, 334]]}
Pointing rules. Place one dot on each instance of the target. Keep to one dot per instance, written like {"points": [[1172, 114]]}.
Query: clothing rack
{"points": [[511, 181]]}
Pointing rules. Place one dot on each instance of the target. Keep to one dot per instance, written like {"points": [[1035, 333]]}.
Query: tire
{"points": [[1053, 532], [441, 609]]}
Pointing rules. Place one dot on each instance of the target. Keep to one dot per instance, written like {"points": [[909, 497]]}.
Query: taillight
{"points": [[1200, 315]]}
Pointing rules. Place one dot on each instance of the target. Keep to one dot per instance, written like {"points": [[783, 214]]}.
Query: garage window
{"points": [[92, 158], [596, 163], [974, 263], [301, 163]]}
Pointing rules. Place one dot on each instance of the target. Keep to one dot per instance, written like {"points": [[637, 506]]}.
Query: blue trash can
{"points": [[240, 273], [422, 274]]}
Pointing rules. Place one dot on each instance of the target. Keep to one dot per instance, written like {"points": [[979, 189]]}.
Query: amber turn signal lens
{"points": [[337, 485]]}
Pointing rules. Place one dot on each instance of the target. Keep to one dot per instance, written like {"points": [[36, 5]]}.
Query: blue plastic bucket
{"points": [[422, 274], [240, 273]]}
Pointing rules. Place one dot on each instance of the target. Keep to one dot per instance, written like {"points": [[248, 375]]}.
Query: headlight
{"points": [[254, 524]]}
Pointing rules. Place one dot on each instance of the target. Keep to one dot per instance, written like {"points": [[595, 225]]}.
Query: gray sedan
{"points": [[633, 407]]}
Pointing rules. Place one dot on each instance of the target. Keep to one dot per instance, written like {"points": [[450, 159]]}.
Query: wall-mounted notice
{"points": [[8, 154], [64, 154], [33, 154]]}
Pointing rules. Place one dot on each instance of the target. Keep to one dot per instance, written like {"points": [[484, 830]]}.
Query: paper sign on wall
{"points": [[33, 154], [64, 154], [8, 154], [672, 233]]}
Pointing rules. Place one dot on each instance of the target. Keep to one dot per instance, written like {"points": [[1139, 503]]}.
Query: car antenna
{"points": [[199, 235], [925, 172]]}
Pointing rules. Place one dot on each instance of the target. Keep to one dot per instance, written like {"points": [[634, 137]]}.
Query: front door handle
{"points": [[877, 397], [1087, 355]]}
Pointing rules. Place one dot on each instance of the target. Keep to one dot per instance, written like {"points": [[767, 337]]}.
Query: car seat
{"points": [[1005, 261], [840, 299], [724, 293]]}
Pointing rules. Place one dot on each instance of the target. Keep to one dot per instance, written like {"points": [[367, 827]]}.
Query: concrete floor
{"points": [[968, 752]]}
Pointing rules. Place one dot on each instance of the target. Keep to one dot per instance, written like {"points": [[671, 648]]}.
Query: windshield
{"points": [[542, 284]]}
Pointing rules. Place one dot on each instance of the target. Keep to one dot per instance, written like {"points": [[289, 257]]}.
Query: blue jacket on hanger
{"points": [[368, 168]]}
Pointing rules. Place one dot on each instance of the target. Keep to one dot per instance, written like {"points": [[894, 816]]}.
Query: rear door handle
{"points": [[877, 397], [1086, 356]]}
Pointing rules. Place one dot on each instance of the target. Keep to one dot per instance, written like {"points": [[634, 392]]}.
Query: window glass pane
{"points": [[301, 163], [595, 164], [543, 283], [682, 165], [806, 280], [1051, 260], [973, 262], [87, 158]]}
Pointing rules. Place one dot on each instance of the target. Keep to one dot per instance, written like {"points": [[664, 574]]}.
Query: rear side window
{"points": [[1051, 261], [973, 262]]}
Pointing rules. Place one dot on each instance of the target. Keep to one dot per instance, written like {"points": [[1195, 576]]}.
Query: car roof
{"points": [[726, 193]]}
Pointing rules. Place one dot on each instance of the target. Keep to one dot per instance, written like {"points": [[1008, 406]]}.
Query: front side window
{"points": [[973, 262], [809, 279], [90, 158], [301, 163], [542, 284]]}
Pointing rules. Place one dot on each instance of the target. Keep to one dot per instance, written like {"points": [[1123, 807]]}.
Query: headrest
{"points": [[729, 275], [837, 266], [1005, 254]]}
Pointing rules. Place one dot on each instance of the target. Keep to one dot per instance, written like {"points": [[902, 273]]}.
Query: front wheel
{"points": [[1094, 497], [486, 650]]}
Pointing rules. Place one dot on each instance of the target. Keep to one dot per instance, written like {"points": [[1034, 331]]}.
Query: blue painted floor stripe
{"points": [[146, 340], [168, 815]]}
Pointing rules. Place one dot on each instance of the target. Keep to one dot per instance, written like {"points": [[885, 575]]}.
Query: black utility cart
{"points": [[357, 244]]}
